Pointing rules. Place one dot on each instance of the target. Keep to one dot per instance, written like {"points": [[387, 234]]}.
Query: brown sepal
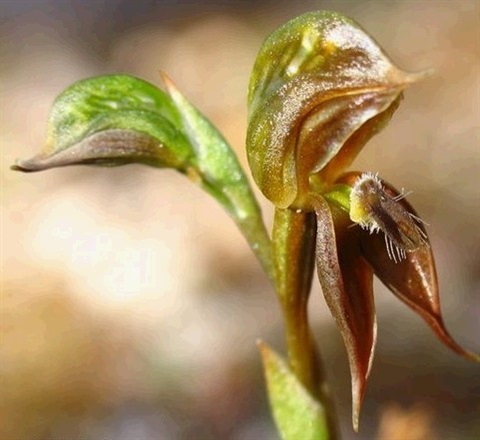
{"points": [[414, 279], [346, 281]]}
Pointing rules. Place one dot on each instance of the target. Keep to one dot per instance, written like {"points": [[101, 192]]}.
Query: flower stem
{"points": [[293, 252]]}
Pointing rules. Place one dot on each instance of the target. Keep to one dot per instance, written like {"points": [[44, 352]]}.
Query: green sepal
{"points": [[320, 88]]}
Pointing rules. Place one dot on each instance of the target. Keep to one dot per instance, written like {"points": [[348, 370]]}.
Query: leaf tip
{"points": [[168, 82], [18, 167], [265, 352], [35, 163]]}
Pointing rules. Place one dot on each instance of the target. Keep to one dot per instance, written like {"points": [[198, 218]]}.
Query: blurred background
{"points": [[130, 304]]}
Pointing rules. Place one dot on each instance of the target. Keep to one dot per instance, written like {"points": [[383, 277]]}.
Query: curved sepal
{"points": [[316, 81], [297, 414], [347, 284], [413, 278]]}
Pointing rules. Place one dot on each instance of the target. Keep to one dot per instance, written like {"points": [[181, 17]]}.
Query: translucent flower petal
{"points": [[320, 88]]}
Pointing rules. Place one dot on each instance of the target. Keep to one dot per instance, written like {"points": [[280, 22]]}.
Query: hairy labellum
{"points": [[375, 210]]}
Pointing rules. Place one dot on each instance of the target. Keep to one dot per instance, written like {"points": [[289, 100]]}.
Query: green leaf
{"points": [[321, 87], [222, 176], [297, 414], [112, 120], [118, 119]]}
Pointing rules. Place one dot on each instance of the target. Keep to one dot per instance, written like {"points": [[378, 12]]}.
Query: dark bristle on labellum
{"points": [[376, 207]]}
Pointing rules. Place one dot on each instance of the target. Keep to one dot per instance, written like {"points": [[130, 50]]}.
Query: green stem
{"points": [[243, 208], [294, 257], [254, 231]]}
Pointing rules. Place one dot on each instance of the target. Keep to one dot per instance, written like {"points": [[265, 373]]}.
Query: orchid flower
{"points": [[321, 87]]}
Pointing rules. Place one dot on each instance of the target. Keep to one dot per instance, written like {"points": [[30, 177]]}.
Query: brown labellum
{"points": [[414, 278]]}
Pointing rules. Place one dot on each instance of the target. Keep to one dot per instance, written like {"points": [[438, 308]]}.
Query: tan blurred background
{"points": [[130, 304]]}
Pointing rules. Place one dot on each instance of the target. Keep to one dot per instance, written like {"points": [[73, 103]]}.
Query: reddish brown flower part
{"points": [[391, 247]]}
